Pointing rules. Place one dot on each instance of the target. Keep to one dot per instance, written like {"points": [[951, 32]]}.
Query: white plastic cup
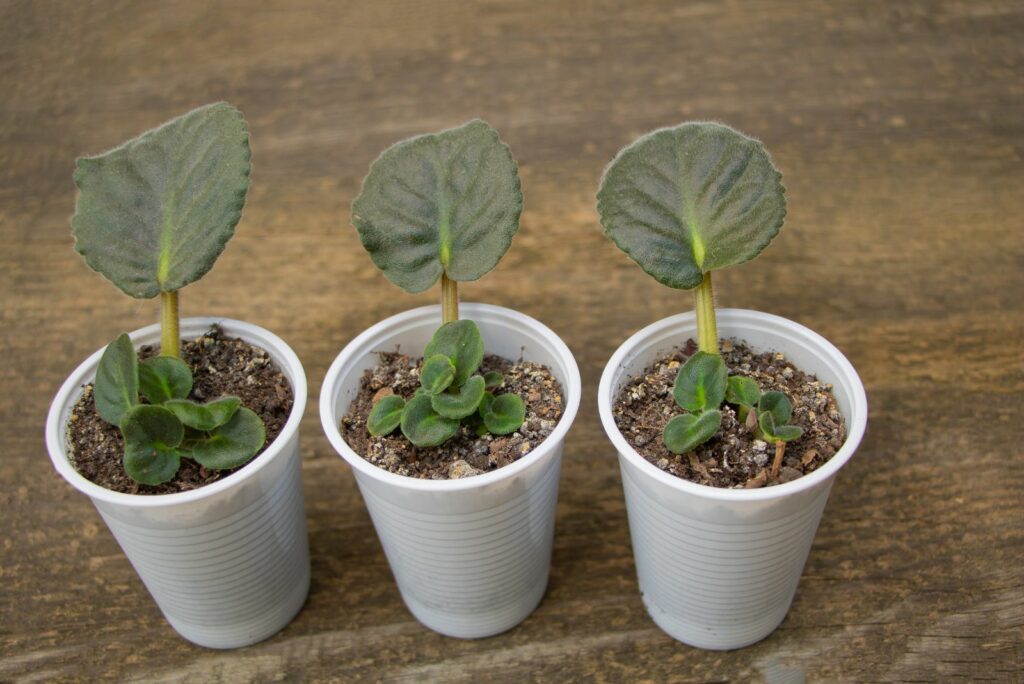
{"points": [[471, 556], [718, 568], [228, 563]]}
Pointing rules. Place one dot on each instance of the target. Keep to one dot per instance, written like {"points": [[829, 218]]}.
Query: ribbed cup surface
{"points": [[471, 557], [719, 568], [228, 564]]}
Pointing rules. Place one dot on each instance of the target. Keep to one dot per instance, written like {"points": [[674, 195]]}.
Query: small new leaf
{"points": [[437, 374], [742, 391], [503, 414], [152, 435], [116, 388], [684, 433], [385, 415], [461, 402], [203, 417], [231, 444], [423, 426], [493, 380], [777, 432], [162, 378], [777, 404], [461, 342], [701, 382]]}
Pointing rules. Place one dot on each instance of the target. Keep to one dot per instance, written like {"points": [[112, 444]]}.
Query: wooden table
{"points": [[898, 127]]}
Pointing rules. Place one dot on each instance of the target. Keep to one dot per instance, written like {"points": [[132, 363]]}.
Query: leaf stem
{"points": [[780, 449], [707, 328], [169, 336], [449, 299]]}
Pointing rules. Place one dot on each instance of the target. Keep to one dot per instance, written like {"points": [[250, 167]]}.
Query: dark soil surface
{"points": [[220, 366], [465, 454], [733, 457]]}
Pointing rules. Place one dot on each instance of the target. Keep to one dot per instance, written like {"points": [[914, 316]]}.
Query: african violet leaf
{"points": [[155, 213], [164, 377], [437, 374], [423, 426], [689, 430], [742, 391], [206, 416], [503, 414], [775, 431], [701, 382], [151, 438], [116, 388], [231, 444], [687, 200], [493, 379], [777, 404], [385, 415], [445, 202], [461, 342], [461, 402]]}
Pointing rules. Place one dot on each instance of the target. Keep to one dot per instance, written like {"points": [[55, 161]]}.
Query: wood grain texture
{"points": [[899, 133]]}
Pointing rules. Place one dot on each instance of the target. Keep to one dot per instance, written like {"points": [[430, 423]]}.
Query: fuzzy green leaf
{"points": [[742, 391], [503, 414], [777, 404], [155, 213], [460, 402], [493, 379], [445, 202], [687, 200], [151, 438], [164, 377], [690, 430], [423, 426], [701, 382], [204, 417], [116, 388], [437, 374], [231, 444], [777, 432], [461, 342], [385, 415]]}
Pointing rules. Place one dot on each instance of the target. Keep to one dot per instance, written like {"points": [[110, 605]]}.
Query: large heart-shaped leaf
{"points": [[164, 377], [445, 202], [687, 200], [151, 438], [742, 391], [116, 388], [701, 382], [155, 213], [461, 342], [233, 443]]}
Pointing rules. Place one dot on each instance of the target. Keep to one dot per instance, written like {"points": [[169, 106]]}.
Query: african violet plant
{"points": [[443, 206], [683, 202], [152, 216]]}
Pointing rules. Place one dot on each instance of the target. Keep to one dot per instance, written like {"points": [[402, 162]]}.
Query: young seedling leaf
{"points": [[437, 374], [690, 430], [446, 202], [777, 432], [504, 414], [231, 444], [423, 426], [742, 391], [162, 378], [701, 382], [777, 404], [385, 415], [493, 380], [116, 388], [155, 213], [204, 417], [687, 200], [151, 438], [461, 342], [461, 401]]}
